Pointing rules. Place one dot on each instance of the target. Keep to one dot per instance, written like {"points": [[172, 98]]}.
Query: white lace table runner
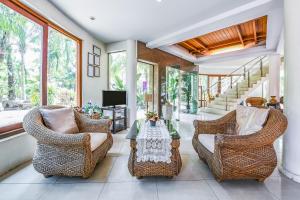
{"points": [[154, 143]]}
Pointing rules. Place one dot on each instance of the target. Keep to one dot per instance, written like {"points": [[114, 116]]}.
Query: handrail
{"points": [[250, 68], [229, 75]]}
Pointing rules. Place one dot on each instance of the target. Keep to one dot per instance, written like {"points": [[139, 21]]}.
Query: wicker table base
{"points": [[141, 169]]}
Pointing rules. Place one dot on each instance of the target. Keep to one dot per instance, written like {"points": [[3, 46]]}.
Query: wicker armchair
{"points": [[66, 154], [240, 156], [258, 102]]}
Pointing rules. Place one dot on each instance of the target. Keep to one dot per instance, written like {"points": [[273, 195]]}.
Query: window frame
{"points": [[29, 13]]}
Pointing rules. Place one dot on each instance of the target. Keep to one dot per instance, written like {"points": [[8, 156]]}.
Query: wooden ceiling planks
{"points": [[247, 34]]}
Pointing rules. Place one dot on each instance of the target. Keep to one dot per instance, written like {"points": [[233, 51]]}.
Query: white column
{"points": [[131, 47], [291, 141], [274, 74]]}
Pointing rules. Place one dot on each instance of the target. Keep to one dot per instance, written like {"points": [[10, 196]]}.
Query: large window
{"points": [[38, 64], [62, 53], [117, 70]]}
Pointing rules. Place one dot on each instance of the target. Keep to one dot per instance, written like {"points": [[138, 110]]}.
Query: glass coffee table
{"points": [[149, 168]]}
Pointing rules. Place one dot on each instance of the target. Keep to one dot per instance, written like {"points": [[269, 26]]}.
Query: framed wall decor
{"points": [[96, 71], [90, 59], [96, 50], [96, 60], [90, 71]]}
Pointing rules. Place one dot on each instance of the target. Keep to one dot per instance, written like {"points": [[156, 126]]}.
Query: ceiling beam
{"points": [[237, 28], [243, 53], [200, 43], [191, 47], [225, 44], [254, 31]]}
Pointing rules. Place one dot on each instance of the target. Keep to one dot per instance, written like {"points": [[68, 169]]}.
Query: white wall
{"points": [[130, 46], [19, 149], [15, 150], [116, 46], [91, 87], [214, 70]]}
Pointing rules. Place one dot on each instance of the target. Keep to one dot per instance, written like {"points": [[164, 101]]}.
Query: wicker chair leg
{"points": [[139, 177], [261, 180], [219, 180], [47, 176]]}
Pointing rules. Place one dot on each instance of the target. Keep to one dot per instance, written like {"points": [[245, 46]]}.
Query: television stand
{"points": [[118, 117]]}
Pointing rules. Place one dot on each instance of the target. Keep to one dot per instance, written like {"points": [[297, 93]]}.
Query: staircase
{"points": [[255, 72]]}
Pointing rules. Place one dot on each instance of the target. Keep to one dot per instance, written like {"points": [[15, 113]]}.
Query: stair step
{"points": [[223, 98], [221, 107], [214, 111], [224, 103]]}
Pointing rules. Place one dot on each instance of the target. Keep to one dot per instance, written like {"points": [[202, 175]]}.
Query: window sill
{"points": [[11, 133]]}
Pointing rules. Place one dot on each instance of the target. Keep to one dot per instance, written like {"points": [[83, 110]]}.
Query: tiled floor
{"points": [[111, 180]]}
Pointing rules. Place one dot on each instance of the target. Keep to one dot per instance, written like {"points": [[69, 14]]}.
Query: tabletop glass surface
{"points": [[135, 128]]}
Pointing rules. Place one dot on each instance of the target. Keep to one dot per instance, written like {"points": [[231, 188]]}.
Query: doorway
{"points": [[182, 91], [145, 89]]}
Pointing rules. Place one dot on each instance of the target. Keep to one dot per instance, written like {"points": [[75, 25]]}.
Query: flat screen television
{"points": [[113, 98]]}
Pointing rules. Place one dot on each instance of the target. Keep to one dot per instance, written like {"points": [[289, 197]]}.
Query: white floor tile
{"points": [[23, 191], [88, 191], [187, 190], [119, 171], [283, 188], [129, 190], [26, 174], [237, 190]]}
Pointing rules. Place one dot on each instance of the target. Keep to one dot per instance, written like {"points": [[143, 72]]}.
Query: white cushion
{"points": [[61, 120], [250, 119], [208, 141], [97, 139]]}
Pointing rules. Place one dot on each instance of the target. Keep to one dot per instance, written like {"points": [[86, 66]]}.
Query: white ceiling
{"points": [[163, 24], [143, 20]]}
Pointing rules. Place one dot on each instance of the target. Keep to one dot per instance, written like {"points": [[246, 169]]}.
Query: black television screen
{"points": [[113, 98]]}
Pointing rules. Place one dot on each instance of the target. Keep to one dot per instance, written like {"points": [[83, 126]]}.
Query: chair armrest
{"points": [[85, 124], [241, 141], [60, 139], [220, 125]]}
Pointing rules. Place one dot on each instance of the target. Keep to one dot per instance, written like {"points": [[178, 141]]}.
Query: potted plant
{"points": [[92, 110], [152, 117]]}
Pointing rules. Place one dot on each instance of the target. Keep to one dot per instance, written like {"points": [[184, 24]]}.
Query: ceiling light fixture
{"points": [[159, 1], [92, 18]]}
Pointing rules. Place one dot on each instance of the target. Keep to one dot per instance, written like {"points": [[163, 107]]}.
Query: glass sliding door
{"points": [[145, 92], [189, 92], [182, 91], [173, 89]]}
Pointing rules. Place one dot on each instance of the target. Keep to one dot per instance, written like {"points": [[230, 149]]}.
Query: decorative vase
{"points": [[152, 123], [273, 100]]}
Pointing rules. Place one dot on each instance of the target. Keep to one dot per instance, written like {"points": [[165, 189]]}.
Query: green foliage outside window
{"points": [[117, 71], [20, 60]]}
